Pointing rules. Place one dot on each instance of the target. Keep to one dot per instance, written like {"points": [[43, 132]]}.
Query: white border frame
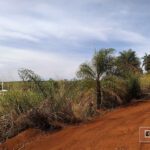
{"points": [[144, 136]]}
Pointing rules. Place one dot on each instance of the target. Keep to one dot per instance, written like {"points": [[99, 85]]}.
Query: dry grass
{"points": [[66, 104], [145, 82]]}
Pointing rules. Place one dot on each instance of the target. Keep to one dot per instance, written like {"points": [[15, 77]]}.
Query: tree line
{"points": [[115, 76]]}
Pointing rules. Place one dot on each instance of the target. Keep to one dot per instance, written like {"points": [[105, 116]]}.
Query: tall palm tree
{"points": [[100, 66], [146, 62]]}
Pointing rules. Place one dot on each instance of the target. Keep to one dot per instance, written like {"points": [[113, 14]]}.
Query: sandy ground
{"points": [[116, 130]]}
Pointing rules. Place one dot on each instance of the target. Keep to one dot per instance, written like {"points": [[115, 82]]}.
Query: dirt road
{"points": [[116, 130]]}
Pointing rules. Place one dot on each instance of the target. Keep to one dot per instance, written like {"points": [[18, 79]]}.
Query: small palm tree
{"points": [[146, 62], [98, 68]]}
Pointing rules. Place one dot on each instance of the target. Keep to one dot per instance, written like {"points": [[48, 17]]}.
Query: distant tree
{"points": [[146, 62], [100, 65], [29, 75]]}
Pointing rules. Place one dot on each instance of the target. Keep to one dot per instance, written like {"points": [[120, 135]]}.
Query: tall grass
{"points": [[19, 101], [66, 102], [145, 82]]}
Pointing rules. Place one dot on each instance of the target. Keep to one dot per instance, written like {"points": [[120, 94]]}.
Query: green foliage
{"points": [[30, 76], [106, 81], [86, 71], [128, 68], [102, 60], [19, 101], [65, 103], [100, 65], [145, 83], [134, 89], [128, 62], [146, 62], [115, 87]]}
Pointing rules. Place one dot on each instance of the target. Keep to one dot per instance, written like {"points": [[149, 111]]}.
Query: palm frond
{"points": [[112, 93], [102, 60], [115, 86], [86, 72]]}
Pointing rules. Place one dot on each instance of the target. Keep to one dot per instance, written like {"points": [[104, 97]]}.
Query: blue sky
{"points": [[53, 37]]}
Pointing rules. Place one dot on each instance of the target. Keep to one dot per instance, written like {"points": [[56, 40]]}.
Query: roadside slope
{"points": [[116, 130]]}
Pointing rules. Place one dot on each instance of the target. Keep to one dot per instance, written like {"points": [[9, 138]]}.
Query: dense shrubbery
{"points": [[66, 102], [107, 81], [134, 88]]}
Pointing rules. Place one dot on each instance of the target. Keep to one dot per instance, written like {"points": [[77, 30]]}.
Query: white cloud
{"points": [[38, 20], [65, 22], [68, 29], [46, 64]]}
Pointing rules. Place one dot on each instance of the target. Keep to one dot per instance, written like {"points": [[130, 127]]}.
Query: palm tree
{"points": [[146, 62], [97, 69], [129, 68], [128, 62]]}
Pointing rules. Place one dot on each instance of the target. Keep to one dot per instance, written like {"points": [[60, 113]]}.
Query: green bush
{"points": [[134, 88]]}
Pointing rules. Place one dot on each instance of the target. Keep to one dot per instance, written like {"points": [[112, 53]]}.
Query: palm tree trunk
{"points": [[98, 94]]}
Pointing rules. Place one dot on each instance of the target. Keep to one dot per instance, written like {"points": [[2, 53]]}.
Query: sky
{"points": [[53, 37]]}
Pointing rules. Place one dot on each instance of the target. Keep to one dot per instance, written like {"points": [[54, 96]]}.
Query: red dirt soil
{"points": [[116, 130]]}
